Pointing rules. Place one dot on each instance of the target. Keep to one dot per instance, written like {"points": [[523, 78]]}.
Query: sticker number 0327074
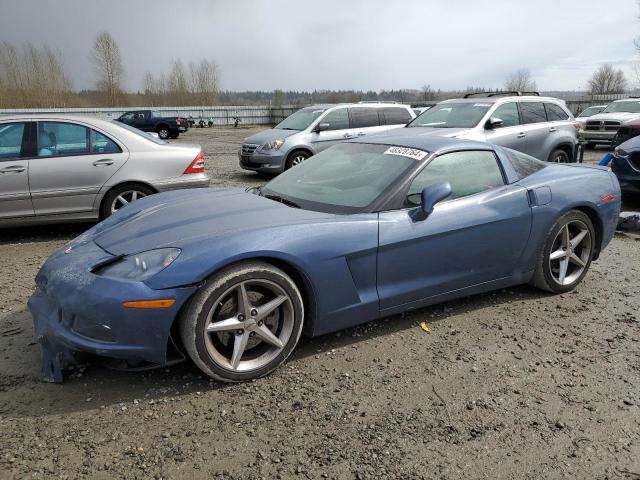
{"points": [[406, 152]]}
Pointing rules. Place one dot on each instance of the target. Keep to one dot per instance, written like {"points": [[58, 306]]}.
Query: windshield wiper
{"points": [[280, 199], [287, 128]]}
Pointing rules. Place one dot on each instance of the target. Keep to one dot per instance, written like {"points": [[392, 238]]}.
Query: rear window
{"points": [[555, 112], [362, 117], [532, 112], [523, 164], [394, 116]]}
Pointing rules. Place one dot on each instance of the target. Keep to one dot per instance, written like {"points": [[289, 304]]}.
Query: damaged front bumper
{"points": [[75, 310]]}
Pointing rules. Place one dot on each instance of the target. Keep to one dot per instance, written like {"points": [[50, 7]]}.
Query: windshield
{"points": [[587, 112], [300, 119], [452, 115], [632, 107], [146, 135], [345, 178]]}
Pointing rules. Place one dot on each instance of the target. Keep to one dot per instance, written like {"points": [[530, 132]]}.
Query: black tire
{"points": [[590, 145], [544, 276], [112, 195], [163, 132], [559, 156], [195, 318], [296, 157]]}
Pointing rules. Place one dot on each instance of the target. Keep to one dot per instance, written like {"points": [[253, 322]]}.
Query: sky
{"points": [[340, 44]]}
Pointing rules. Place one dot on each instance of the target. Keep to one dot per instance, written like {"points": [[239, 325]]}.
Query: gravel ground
{"points": [[515, 384]]}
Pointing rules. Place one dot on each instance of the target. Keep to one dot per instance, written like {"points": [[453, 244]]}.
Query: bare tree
{"points": [[108, 66], [204, 81], [607, 79], [520, 81], [427, 93]]}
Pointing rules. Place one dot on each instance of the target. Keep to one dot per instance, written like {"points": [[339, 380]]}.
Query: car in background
{"points": [[627, 131], [581, 118], [231, 278], [151, 121], [64, 168], [601, 129], [542, 127], [625, 164], [312, 129]]}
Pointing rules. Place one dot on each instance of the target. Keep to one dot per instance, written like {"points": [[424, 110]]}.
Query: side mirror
{"points": [[321, 127], [433, 194], [493, 123]]}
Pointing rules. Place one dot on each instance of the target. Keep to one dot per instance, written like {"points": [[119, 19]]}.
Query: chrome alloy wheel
{"points": [[125, 198], [570, 252], [298, 159], [249, 325]]}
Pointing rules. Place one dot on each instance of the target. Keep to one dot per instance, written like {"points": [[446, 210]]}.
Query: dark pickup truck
{"points": [[150, 121]]}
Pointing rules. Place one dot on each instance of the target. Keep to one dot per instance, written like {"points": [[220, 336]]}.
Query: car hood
{"points": [[269, 135], [620, 116], [180, 218], [441, 132]]}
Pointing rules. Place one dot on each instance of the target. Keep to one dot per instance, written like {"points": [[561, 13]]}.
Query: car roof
{"points": [[522, 98], [422, 140], [326, 106], [56, 117]]}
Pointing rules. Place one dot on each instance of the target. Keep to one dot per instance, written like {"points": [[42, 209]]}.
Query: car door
{"points": [[510, 133], [476, 236], [73, 162], [364, 120], [337, 130], [15, 199], [393, 117], [534, 129], [141, 120]]}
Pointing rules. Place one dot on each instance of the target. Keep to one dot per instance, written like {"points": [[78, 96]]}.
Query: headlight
{"points": [[618, 152], [141, 266], [273, 145]]}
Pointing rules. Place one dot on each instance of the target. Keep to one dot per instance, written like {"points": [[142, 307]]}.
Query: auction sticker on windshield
{"points": [[406, 152]]}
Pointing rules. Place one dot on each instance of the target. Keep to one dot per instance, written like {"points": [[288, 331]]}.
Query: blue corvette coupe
{"points": [[231, 278]]}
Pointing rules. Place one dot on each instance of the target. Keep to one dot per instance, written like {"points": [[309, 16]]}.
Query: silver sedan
{"points": [[63, 168]]}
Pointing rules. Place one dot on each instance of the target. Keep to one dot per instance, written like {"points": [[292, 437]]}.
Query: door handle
{"points": [[347, 135], [12, 169], [522, 135], [552, 129], [360, 134], [103, 163]]}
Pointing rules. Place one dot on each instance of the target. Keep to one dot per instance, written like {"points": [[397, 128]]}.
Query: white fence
{"points": [[221, 115]]}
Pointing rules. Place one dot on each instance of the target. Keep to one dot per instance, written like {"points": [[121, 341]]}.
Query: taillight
{"points": [[197, 166], [608, 198], [177, 121]]}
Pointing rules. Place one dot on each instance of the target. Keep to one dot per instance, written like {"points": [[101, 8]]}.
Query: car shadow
{"points": [[92, 386], [43, 233]]}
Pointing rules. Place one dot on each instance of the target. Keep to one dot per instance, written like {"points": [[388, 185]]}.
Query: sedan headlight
{"points": [[140, 266], [618, 152], [273, 145]]}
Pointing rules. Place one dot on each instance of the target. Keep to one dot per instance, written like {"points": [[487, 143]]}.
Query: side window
{"points": [[555, 112], [394, 116], [127, 117], [508, 113], [102, 144], [532, 112], [11, 140], [337, 119], [60, 138], [523, 164], [468, 172], [363, 117]]}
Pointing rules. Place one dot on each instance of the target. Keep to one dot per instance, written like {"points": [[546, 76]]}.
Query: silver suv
{"points": [[542, 127], [312, 129], [602, 128]]}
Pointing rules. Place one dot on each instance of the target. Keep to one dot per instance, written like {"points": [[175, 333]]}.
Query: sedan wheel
{"points": [[126, 198], [567, 253], [243, 323]]}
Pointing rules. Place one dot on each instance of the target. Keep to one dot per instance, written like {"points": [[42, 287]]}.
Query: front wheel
{"points": [[296, 158], [243, 323], [559, 156], [566, 256]]}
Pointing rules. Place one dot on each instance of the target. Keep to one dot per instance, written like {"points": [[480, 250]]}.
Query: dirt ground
{"points": [[515, 384]]}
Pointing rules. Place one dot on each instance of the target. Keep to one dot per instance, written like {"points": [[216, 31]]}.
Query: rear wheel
{"points": [[243, 323], [559, 156], [567, 253], [163, 132], [296, 158], [122, 195]]}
